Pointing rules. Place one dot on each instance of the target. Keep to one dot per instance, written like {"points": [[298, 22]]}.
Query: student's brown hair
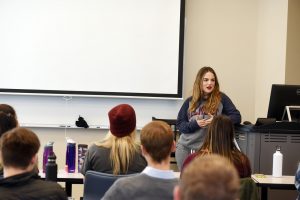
{"points": [[157, 139], [210, 177], [18, 146], [8, 118], [219, 138]]}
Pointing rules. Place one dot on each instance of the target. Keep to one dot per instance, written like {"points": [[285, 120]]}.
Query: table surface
{"points": [[258, 178], [268, 179], [62, 174]]}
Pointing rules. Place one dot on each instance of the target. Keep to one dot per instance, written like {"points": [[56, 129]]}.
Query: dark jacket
{"points": [[187, 126], [192, 135], [30, 186]]}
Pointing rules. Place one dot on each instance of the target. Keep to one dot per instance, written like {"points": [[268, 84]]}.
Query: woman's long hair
{"points": [[212, 103], [219, 138], [122, 151]]}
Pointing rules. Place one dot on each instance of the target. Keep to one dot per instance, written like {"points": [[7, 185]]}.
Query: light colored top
{"points": [[157, 173]]}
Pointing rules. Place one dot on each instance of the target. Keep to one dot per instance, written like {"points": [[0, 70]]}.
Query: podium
{"points": [[259, 143]]}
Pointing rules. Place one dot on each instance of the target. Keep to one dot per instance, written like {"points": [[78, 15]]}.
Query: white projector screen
{"points": [[88, 47]]}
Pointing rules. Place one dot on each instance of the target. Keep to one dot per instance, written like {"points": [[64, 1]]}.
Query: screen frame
{"points": [[173, 95], [282, 95]]}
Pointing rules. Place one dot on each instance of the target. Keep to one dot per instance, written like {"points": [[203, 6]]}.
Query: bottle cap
{"points": [[278, 148], [50, 143], [66, 168], [69, 140], [52, 157]]}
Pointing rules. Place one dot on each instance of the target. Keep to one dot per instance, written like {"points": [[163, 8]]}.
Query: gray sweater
{"points": [[142, 187], [98, 159]]}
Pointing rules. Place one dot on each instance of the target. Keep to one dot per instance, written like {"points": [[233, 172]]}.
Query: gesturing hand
{"points": [[204, 122]]}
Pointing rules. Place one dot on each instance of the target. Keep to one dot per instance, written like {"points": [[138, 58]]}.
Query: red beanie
{"points": [[122, 120]]}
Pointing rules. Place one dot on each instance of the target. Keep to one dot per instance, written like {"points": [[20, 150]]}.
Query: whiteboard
{"points": [[54, 111], [88, 47]]}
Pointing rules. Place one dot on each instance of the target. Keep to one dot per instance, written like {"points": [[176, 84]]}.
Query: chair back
{"points": [[97, 183], [248, 189], [172, 123]]}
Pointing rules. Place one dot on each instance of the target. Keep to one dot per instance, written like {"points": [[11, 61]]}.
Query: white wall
{"points": [[245, 42], [222, 34], [293, 44], [271, 51]]}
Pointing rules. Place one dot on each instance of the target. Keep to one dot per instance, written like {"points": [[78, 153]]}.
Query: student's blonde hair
{"points": [[122, 151]]}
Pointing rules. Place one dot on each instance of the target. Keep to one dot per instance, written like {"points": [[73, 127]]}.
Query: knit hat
{"points": [[122, 120]]}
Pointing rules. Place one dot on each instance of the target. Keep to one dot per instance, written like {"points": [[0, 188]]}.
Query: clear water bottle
{"points": [[71, 155], [48, 148], [277, 162], [51, 168]]}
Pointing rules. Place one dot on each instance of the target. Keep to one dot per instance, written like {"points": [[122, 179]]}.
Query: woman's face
{"points": [[208, 83]]}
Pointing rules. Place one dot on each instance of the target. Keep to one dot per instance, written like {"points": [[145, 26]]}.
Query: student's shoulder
{"points": [[98, 147], [48, 188], [130, 181]]}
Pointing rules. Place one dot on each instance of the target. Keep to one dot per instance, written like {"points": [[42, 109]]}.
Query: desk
{"points": [[68, 178], [268, 181]]}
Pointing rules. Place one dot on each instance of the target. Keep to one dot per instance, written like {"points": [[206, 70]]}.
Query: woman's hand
{"points": [[204, 122], [201, 122], [209, 119]]}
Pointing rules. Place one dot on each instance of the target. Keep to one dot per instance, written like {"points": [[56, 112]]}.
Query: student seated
{"points": [[220, 140], [19, 154], [8, 121], [118, 153], [210, 177], [8, 118], [157, 181], [297, 181]]}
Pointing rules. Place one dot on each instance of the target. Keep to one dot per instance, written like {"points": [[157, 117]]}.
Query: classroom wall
{"points": [[270, 51], [222, 34], [293, 44]]}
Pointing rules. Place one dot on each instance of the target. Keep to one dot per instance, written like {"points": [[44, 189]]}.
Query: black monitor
{"points": [[281, 96]]}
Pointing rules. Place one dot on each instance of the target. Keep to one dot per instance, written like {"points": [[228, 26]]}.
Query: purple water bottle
{"points": [[47, 150], [71, 155]]}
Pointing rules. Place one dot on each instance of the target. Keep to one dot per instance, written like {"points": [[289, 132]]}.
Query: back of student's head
{"points": [[220, 136], [210, 177], [157, 139], [8, 118], [18, 146]]}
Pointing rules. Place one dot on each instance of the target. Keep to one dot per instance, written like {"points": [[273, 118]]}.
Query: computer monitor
{"points": [[281, 96]]}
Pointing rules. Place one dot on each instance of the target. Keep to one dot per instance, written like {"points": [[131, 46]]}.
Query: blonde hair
{"points": [[214, 99], [122, 151]]}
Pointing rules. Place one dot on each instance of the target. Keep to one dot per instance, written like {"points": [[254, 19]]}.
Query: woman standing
{"points": [[198, 111]]}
